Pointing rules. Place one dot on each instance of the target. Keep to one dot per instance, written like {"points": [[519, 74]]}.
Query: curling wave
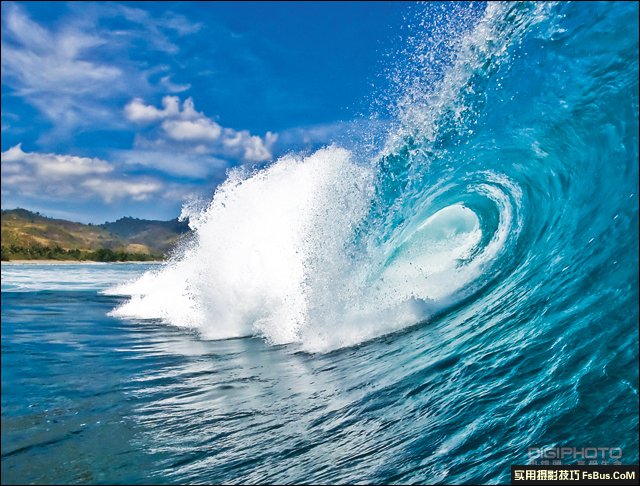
{"points": [[508, 180]]}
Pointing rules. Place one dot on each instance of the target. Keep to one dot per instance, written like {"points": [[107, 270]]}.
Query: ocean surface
{"points": [[422, 313]]}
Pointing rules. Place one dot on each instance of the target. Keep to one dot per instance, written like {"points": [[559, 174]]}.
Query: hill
{"points": [[158, 235], [28, 235]]}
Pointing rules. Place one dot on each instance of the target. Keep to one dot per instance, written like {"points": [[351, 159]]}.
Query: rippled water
{"points": [[90, 398], [423, 315]]}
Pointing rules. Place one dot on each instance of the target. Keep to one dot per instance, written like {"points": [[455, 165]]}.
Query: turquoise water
{"points": [[424, 315]]}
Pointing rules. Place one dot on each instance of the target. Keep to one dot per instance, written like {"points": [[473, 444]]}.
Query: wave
{"points": [[509, 178]]}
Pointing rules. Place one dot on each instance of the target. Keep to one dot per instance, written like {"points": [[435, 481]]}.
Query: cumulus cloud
{"points": [[201, 129], [53, 176], [253, 148], [137, 111], [197, 133], [53, 165]]}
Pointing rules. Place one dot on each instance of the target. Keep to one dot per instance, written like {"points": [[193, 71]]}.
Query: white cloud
{"points": [[201, 129], [172, 87], [197, 133], [153, 28], [51, 69], [54, 176], [73, 72], [137, 190], [185, 165], [52, 165], [137, 111], [252, 147]]}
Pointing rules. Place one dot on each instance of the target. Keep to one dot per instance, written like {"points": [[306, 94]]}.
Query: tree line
{"points": [[40, 252]]}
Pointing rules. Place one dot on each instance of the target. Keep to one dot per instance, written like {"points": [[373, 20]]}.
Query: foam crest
{"points": [[262, 244], [328, 252], [275, 255]]}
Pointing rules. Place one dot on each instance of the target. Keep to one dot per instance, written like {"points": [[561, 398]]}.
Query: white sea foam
{"points": [[278, 254], [272, 256], [261, 249]]}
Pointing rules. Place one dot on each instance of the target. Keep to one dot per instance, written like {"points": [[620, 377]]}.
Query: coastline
{"points": [[72, 262]]}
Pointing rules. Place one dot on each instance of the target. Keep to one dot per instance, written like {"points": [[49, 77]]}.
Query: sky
{"points": [[132, 109]]}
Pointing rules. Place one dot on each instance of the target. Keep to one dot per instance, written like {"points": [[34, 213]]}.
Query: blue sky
{"points": [[113, 109]]}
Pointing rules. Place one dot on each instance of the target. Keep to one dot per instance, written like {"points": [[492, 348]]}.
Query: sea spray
{"points": [[327, 251], [261, 250], [483, 193]]}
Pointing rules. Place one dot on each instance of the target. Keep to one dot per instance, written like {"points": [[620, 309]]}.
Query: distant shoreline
{"points": [[29, 237], [72, 262]]}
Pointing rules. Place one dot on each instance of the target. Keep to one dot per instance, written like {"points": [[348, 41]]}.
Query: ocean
{"points": [[428, 314]]}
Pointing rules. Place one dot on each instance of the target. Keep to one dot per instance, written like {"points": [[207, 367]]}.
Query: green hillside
{"points": [[157, 235], [27, 235]]}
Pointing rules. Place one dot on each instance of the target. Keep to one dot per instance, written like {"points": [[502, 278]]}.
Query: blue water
{"points": [[424, 315]]}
